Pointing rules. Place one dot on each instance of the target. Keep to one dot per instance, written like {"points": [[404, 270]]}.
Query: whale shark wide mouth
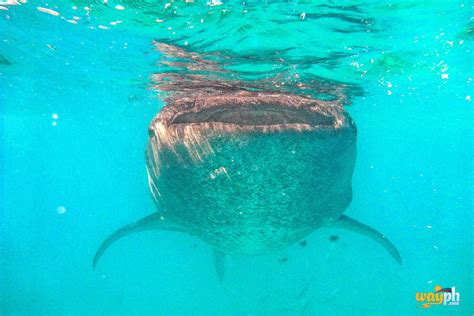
{"points": [[254, 115], [253, 112]]}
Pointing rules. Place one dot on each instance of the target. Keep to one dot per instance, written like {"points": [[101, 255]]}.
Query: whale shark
{"points": [[249, 172]]}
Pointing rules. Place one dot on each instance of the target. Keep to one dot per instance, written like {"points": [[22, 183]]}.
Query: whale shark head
{"points": [[251, 172], [249, 166]]}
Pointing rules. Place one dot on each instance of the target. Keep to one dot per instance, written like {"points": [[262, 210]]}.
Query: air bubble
{"points": [[61, 210]]}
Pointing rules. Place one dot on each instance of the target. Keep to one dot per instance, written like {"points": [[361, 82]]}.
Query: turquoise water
{"points": [[76, 100]]}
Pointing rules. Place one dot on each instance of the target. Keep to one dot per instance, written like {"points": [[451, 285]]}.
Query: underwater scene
{"points": [[230, 157]]}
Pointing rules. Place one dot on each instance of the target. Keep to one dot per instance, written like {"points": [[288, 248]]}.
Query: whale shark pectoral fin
{"points": [[348, 223], [219, 264], [150, 222]]}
